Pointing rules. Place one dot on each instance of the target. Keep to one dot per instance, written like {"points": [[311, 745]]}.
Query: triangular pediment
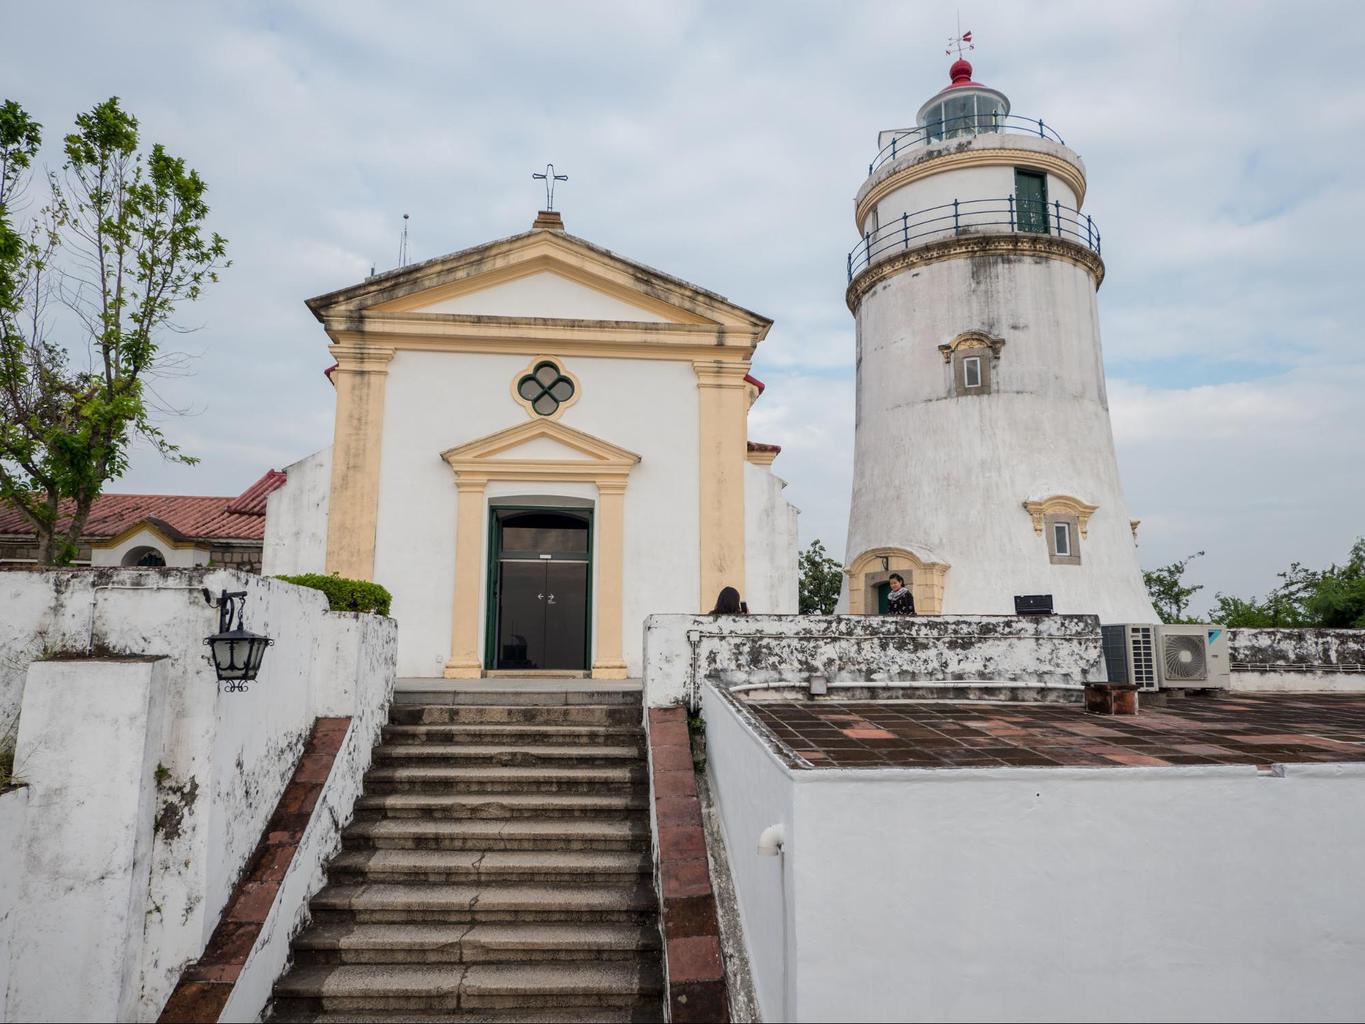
{"points": [[545, 291], [541, 274], [541, 441]]}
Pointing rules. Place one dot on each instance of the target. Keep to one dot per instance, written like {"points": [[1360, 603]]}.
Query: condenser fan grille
{"points": [[1184, 657]]}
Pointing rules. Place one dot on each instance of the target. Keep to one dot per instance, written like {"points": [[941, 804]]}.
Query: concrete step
{"points": [[477, 986], [296, 1011], [409, 903], [517, 734], [508, 834], [577, 867], [455, 754], [515, 714], [484, 779], [467, 944], [536, 698], [501, 805]]}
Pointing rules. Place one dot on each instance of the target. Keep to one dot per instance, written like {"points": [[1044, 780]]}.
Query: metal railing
{"points": [[971, 217], [959, 127]]}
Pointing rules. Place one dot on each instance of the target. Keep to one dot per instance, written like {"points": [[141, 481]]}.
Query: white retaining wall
{"points": [[1297, 660], [1133, 894], [223, 759], [13, 818], [1055, 652]]}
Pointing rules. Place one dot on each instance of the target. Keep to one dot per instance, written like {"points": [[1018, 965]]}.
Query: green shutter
{"points": [[1030, 195]]}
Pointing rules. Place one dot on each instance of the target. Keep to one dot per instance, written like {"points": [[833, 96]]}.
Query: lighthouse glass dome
{"points": [[964, 108]]}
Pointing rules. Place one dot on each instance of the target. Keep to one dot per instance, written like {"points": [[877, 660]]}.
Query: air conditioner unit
{"points": [[1184, 656]]}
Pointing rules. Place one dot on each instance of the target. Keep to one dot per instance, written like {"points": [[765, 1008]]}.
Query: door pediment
{"points": [[541, 449]]}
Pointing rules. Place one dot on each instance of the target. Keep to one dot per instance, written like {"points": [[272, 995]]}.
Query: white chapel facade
{"points": [[537, 444]]}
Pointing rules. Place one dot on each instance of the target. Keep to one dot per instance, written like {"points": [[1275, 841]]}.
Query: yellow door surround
{"points": [[873, 567], [587, 459]]}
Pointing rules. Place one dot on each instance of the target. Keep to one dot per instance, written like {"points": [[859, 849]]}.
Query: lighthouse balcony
{"points": [[1008, 215], [900, 142]]}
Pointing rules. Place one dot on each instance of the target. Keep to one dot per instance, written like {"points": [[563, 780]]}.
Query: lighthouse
{"points": [[984, 457]]}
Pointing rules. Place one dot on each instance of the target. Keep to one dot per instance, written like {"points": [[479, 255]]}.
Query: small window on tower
{"points": [[971, 372], [1061, 538]]}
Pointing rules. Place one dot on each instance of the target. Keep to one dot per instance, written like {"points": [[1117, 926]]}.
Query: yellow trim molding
{"points": [[927, 579], [723, 448], [149, 526], [1007, 243], [532, 252], [599, 462], [971, 339], [563, 371], [761, 457], [1060, 505], [352, 516], [1071, 175]]}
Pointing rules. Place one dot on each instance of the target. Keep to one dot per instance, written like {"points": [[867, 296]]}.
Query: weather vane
{"points": [[961, 41], [550, 177]]}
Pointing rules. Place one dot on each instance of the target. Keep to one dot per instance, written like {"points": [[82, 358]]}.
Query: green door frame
{"points": [[490, 634]]}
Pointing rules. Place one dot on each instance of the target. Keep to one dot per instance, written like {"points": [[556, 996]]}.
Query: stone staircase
{"points": [[498, 869]]}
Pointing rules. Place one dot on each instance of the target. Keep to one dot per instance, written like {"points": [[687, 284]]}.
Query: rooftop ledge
{"points": [[1258, 731], [973, 150]]}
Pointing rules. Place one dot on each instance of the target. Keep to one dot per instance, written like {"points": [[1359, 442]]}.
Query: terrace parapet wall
{"points": [[881, 655]]}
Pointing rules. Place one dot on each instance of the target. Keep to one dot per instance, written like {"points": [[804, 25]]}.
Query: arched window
{"points": [[143, 557]]}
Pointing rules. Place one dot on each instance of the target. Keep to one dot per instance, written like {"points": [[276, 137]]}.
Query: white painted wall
{"points": [[946, 477], [543, 294], [753, 791], [227, 757], [296, 518], [89, 740], [355, 680], [13, 822], [1134, 894], [179, 558], [770, 543], [646, 406], [681, 652]]}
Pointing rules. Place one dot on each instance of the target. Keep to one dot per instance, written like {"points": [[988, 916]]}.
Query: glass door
{"points": [[540, 603]]}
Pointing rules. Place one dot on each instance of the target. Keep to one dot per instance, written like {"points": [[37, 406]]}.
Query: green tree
{"points": [[821, 577], [1333, 598], [131, 227], [1168, 590]]}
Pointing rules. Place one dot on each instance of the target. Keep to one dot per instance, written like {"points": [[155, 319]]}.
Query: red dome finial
{"points": [[960, 72]]}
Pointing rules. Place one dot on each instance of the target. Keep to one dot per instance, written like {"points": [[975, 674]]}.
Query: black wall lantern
{"points": [[237, 653]]}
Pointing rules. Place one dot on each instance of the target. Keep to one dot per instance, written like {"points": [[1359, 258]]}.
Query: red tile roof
{"points": [[759, 446], [199, 518], [251, 502]]}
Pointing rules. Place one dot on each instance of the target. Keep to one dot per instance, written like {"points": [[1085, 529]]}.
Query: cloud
{"points": [[723, 143]]}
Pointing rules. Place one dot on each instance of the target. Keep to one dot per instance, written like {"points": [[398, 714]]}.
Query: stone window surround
{"points": [[1055, 510], [1073, 525], [529, 371], [925, 580], [968, 345]]}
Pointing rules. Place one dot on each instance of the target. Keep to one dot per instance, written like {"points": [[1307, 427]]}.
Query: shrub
{"points": [[346, 595]]}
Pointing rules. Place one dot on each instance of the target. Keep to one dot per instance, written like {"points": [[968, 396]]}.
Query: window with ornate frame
{"points": [[972, 358], [1063, 520], [545, 388]]}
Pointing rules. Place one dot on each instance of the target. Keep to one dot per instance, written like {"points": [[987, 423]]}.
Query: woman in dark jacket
{"points": [[899, 601]]}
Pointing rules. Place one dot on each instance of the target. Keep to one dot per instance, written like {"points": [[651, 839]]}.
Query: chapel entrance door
{"points": [[541, 578]]}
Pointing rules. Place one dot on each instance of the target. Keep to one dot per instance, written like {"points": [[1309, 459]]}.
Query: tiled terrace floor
{"points": [[1241, 729]]}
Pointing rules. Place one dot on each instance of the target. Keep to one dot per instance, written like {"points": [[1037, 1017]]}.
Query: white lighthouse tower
{"points": [[984, 458]]}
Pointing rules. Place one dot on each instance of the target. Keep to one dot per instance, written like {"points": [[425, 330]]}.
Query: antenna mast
{"points": [[403, 244]]}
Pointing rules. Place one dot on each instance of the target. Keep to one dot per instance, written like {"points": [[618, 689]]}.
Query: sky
{"points": [[723, 143]]}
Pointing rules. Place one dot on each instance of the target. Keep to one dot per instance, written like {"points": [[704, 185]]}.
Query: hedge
{"points": [[346, 595]]}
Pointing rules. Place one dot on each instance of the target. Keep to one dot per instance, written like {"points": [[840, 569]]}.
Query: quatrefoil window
{"points": [[545, 388]]}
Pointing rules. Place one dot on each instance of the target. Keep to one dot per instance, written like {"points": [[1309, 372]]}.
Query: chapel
{"points": [[537, 444]]}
